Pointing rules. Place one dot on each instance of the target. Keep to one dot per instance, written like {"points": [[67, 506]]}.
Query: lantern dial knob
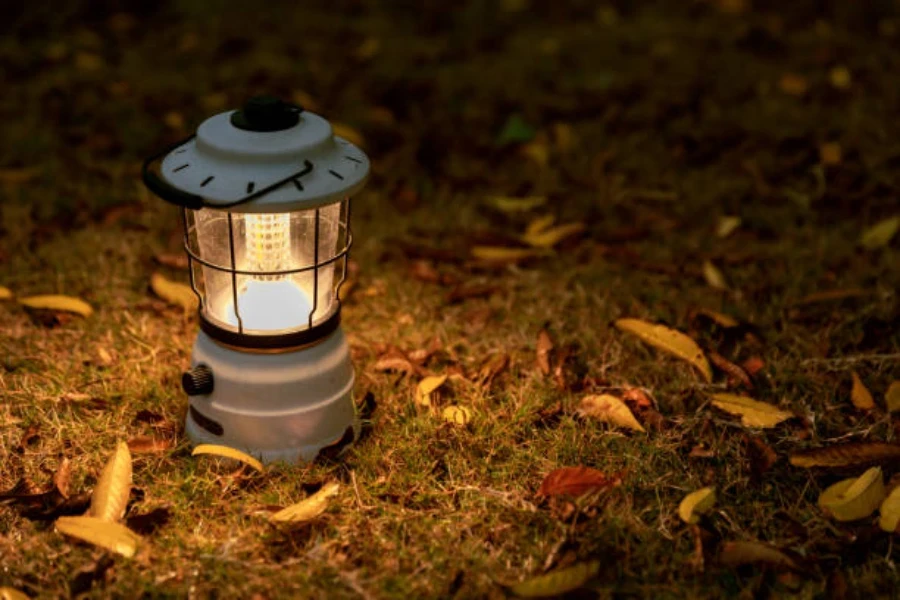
{"points": [[197, 381], [266, 113]]}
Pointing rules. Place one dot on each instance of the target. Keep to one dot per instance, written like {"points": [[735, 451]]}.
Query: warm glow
{"points": [[271, 305]]}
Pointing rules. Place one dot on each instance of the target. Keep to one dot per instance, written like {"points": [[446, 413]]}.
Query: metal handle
{"points": [[164, 190]]}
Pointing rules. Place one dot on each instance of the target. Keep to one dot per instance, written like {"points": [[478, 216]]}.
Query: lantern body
{"points": [[266, 193]]}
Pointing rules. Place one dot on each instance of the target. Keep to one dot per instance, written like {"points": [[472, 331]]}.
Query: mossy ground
{"points": [[677, 115]]}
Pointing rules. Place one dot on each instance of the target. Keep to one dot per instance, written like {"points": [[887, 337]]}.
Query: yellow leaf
{"points": [[735, 554], [713, 276], [8, 593], [350, 134], [110, 496], [752, 412], [860, 395], [309, 508], [892, 397], [5, 293], [609, 409], [503, 254], [890, 511], [228, 453], [727, 225], [539, 224], [854, 499], [880, 234], [556, 583], [508, 204], [548, 238], [697, 503], [669, 340], [427, 386], [174, 293], [457, 415], [58, 302], [112, 536]]}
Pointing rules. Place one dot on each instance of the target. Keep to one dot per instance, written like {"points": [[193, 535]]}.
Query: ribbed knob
{"points": [[197, 381]]}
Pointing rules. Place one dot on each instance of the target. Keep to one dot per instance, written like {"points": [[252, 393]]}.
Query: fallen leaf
{"points": [[539, 224], [350, 134], [557, 583], [890, 511], [669, 340], [309, 508], [753, 365], [58, 302], [5, 293], [228, 453], [713, 276], [457, 415], [695, 504], [8, 593], [609, 409], [840, 77], [831, 296], [735, 554], [63, 476], [793, 84], [544, 348], [860, 395], [850, 454], [172, 292], [110, 496], [148, 523], [760, 456], [492, 368], [575, 482], [720, 319], [112, 536], [892, 397], [830, 154], [146, 444], [428, 386], [855, 498], [880, 234], [502, 254], [509, 205], [734, 372], [547, 238], [727, 225], [753, 413]]}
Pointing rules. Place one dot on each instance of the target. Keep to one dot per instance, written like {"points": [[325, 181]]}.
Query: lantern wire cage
{"points": [[295, 255]]}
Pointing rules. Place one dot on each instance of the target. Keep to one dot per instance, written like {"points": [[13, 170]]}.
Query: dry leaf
{"points": [[515, 205], [735, 554], [310, 507], [228, 453], [830, 154], [713, 276], [8, 593], [544, 348], [856, 498], [539, 224], [172, 292], [720, 319], [890, 511], [734, 372], [727, 225], [609, 409], [110, 496], [426, 387], [892, 397], [146, 444], [860, 395], [753, 413], [59, 303], [350, 134], [880, 234], [850, 454], [697, 503], [457, 415], [558, 582], [112, 536], [575, 482], [669, 340], [547, 238], [63, 476], [536, 151], [5, 293], [501, 254]]}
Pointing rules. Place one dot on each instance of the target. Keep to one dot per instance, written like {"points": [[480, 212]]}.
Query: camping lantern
{"points": [[265, 193]]}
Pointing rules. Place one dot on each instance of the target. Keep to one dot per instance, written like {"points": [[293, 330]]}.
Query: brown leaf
{"points": [[860, 394], [544, 348], [493, 368], [760, 455], [148, 523], [850, 454], [424, 271], [395, 360], [145, 444], [734, 372], [63, 476], [575, 482], [753, 365], [735, 554]]}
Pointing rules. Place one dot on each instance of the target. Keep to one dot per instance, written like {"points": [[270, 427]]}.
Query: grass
{"points": [[677, 119]]}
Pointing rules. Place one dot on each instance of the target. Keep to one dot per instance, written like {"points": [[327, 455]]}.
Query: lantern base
{"points": [[276, 407]]}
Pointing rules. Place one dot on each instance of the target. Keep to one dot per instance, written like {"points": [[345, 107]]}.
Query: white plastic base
{"points": [[276, 407]]}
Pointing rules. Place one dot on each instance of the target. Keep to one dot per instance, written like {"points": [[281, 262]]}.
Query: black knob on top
{"points": [[197, 381], [266, 113]]}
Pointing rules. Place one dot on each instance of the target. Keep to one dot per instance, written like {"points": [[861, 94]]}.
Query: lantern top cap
{"points": [[269, 156]]}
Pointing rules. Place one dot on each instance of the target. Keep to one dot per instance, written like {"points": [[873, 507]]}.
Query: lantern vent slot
{"points": [[207, 180], [250, 187], [336, 174], [356, 160], [184, 166]]}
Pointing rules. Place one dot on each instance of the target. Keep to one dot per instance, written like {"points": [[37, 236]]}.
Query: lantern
{"points": [[265, 193]]}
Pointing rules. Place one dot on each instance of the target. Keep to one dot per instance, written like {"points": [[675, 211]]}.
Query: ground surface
{"points": [[649, 126]]}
